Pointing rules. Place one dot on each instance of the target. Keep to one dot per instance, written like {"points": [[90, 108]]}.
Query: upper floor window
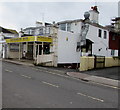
{"points": [[99, 33], [105, 34], [47, 30], [68, 26], [31, 32], [113, 37], [63, 27]]}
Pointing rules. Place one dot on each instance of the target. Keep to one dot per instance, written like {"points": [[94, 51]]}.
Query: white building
{"points": [[82, 38], [5, 34]]}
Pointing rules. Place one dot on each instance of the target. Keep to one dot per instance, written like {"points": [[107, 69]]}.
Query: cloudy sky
{"points": [[16, 15]]}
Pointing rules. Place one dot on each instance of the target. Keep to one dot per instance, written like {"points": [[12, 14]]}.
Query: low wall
{"points": [[111, 61], [87, 63], [13, 55], [46, 60]]}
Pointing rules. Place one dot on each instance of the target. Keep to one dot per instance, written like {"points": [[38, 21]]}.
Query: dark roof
{"points": [[13, 31], [4, 30]]}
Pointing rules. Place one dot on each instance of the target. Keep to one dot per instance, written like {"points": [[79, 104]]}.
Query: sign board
{"points": [[44, 39], [21, 39], [29, 39]]}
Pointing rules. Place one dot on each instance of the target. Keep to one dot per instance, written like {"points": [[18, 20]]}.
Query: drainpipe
{"points": [[19, 51], [42, 48], [34, 52]]}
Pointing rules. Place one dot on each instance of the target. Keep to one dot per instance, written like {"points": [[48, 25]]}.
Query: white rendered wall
{"points": [[76, 27], [0, 50], [99, 42], [10, 35], [93, 16], [67, 49]]}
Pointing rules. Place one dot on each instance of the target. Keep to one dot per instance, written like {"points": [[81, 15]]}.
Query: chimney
{"points": [[94, 15]]}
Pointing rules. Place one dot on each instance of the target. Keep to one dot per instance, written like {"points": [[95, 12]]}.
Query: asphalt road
{"points": [[29, 87]]}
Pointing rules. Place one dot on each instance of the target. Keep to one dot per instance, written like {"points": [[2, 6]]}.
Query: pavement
{"points": [[97, 79], [97, 76]]}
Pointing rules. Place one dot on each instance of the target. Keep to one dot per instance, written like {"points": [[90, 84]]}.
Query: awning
{"points": [[29, 39], [89, 41]]}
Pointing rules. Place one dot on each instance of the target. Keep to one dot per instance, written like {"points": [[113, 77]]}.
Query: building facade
{"points": [[5, 34], [114, 36]]}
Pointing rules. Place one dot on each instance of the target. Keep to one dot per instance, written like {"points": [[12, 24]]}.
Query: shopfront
{"points": [[28, 47]]}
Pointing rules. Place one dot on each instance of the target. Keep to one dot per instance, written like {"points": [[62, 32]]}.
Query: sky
{"points": [[17, 15]]}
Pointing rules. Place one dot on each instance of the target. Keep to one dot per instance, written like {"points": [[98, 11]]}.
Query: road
{"points": [[30, 87]]}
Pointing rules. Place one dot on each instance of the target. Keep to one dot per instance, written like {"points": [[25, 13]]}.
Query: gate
{"points": [[99, 62]]}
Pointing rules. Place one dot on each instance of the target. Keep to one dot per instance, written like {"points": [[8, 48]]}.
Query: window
{"points": [[41, 31], [37, 32], [100, 33], [78, 47], [68, 26], [31, 32], [112, 52], [113, 38], [63, 27], [47, 30], [105, 34]]}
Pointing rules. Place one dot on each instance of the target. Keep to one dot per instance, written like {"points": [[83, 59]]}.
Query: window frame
{"points": [[105, 34], [100, 33], [63, 27], [112, 52], [69, 27]]}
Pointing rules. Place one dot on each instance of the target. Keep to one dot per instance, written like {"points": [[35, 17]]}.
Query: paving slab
{"points": [[103, 80], [78, 75], [96, 79]]}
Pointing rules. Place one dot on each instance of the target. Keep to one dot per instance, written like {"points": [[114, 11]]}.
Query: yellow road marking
{"points": [[26, 76], [50, 84], [8, 70], [94, 98]]}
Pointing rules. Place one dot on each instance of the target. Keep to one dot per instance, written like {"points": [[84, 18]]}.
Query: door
{"points": [[39, 49]]}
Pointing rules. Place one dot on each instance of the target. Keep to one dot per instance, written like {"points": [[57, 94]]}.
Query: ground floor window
{"points": [[112, 52]]}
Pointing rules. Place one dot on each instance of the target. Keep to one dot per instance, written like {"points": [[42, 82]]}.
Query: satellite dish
{"points": [[87, 15]]}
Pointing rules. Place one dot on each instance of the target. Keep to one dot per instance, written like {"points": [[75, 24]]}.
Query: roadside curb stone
{"points": [[96, 79], [19, 62]]}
